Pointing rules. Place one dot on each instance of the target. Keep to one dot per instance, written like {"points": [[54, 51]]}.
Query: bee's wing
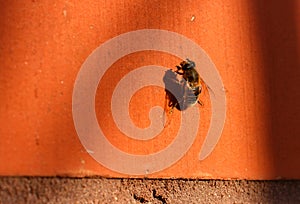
{"points": [[205, 88]]}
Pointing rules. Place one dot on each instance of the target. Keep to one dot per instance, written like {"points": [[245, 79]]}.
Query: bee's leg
{"points": [[178, 72], [178, 69], [172, 108], [166, 119], [200, 102]]}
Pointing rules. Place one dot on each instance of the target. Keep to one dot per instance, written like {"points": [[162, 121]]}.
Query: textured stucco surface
{"points": [[103, 190]]}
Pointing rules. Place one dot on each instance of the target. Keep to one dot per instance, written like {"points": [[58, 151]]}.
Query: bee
{"points": [[187, 90], [192, 82]]}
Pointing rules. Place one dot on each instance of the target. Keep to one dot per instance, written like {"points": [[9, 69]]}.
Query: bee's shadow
{"points": [[174, 91]]}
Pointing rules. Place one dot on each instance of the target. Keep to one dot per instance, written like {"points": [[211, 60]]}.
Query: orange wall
{"points": [[254, 45]]}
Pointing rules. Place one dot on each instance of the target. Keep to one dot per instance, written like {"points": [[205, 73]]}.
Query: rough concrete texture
{"points": [[103, 190]]}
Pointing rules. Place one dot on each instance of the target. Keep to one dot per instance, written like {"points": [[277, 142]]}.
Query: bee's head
{"points": [[188, 64]]}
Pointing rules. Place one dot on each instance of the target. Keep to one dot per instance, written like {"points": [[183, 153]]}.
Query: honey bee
{"points": [[187, 90]]}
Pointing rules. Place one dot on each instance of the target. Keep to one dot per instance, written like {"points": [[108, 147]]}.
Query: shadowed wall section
{"points": [[278, 40]]}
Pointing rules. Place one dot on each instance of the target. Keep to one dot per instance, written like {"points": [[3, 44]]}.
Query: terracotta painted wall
{"points": [[253, 44]]}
